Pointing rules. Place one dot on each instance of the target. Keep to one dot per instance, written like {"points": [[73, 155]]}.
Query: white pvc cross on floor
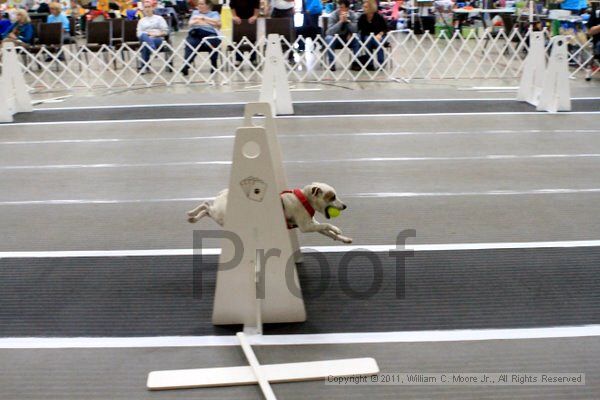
{"points": [[260, 287], [14, 96]]}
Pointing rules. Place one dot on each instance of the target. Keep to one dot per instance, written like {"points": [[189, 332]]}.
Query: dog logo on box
{"points": [[254, 188]]}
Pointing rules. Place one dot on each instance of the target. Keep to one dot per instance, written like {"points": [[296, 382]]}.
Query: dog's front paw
{"points": [[344, 239], [335, 229], [192, 220], [191, 213]]}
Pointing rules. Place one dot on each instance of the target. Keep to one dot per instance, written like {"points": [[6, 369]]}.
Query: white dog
{"points": [[299, 206]]}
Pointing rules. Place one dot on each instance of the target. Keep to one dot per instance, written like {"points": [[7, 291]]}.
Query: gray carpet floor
{"points": [[372, 107], [454, 179], [170, 296], [120, 374]]}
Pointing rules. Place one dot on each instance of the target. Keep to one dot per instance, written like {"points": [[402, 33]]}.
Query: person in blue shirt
{"points": [[4, 24], [21, 32], [56, 15], [311, 10], [575, 6], [203, 35]]}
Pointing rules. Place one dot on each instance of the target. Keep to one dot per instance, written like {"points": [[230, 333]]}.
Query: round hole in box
{"points": [[251, 149]]}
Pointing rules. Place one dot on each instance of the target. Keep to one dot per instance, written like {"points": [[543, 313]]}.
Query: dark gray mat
{"points": [[325, 108], [147, 296], [119, 374]]}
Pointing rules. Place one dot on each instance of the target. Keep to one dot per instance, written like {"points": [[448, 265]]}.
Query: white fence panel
{"points": [[407, 56]]}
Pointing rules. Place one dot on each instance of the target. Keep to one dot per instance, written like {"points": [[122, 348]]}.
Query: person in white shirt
{"points": [[151, 30], [283, 9]]}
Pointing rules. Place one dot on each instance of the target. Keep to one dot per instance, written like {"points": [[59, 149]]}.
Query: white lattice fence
{"points": [[407, 56]]}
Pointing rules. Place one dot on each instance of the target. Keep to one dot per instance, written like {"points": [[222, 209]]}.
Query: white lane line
{"points": [[125, 106], [486, 193], [466, 114], [59, 99], [403, 100], [305, 339], [493, 157], [292, 117], [300, 135], [116, 140], [306, 249], [512, 88], [381, 195]]}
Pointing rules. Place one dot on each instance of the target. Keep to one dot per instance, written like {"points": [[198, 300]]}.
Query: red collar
{"points": [[302, 198]]}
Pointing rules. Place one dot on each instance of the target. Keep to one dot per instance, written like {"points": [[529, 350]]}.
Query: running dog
{"points": [[299, 206]]}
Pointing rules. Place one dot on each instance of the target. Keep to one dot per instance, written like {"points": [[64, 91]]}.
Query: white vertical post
{"points": [[266, 110], [275, 88], [531, 10], [532, 77], [14, 96], [556, 95], [255, 214]]}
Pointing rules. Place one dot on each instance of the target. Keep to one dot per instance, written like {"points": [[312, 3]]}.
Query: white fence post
{"points": [[556, 94], [412, 57], [14, 96], [275, 88], [534, 68]]}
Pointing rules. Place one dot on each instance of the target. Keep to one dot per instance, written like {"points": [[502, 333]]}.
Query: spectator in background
{"points": [[244, 9], [56, 15], [77, 13], [168, 12], [134, 12], [248, 10], [151, 30], [103, 5], [593, 26], [4, 24], [43, 8], [203, 35], [97, 16], [312, 10], [575, 6], [371, 22], [20, 32], [342, 22], [283, 9]]}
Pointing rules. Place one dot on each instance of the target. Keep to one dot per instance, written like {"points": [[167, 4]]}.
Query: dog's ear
{"points": [[316, 191]]}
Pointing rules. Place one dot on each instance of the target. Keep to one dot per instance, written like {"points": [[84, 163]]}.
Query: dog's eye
{"points": [[333, 198]]}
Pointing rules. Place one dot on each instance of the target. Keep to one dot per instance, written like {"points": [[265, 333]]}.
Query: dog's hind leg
{"points": [[198, 212], [201, 214], [192, 213]]}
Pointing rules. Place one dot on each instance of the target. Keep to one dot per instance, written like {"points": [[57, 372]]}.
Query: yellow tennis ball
{"points": [[334, 212]]}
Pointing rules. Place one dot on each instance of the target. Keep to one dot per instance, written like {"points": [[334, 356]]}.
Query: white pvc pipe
{"points": [[530, 13], [262, 381]]}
